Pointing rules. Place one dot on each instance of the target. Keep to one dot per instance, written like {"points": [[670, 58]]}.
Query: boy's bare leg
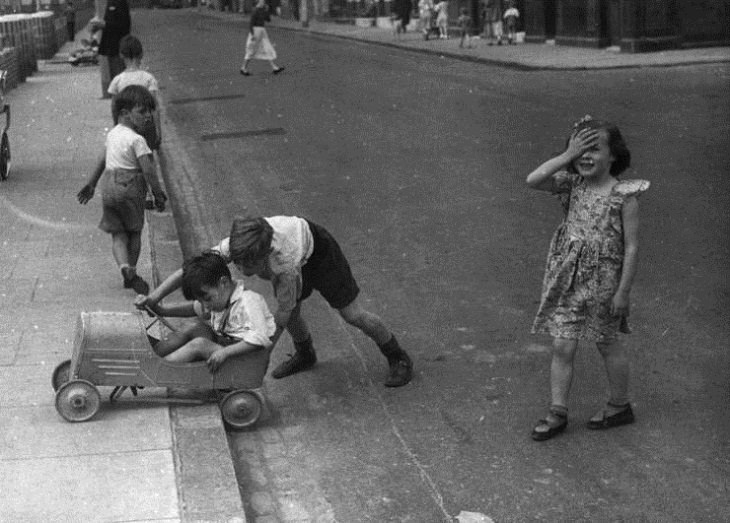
{"points": [[297, 327], [177, 339], [400, 364], [367, 322], [195, 350], [134, 247], [120, 245]]}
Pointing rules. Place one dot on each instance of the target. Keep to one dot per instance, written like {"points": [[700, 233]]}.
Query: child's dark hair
{"points": [[619, 150], [204, 270], [131, 97], [130, 47], [250, 240]]}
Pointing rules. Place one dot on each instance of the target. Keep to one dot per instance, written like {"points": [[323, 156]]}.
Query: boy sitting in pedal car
{"points": [[231, 320]]}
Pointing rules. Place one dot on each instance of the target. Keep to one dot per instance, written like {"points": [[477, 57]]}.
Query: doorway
{"points": [[614, 22], [551, 14]]}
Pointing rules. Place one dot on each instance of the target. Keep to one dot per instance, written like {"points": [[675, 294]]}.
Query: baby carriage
{"points": [[86, 55], [4, 141]]}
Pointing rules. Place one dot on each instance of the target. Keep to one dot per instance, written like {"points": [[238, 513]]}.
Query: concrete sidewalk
{"points": [[136, 460], [526, 56]]}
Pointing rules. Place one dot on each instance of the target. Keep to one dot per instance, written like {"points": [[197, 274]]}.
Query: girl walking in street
{"points": [[258, 45], [590, 267], [442, 18]]}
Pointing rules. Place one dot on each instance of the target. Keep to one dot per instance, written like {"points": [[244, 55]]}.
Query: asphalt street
{"points": [[417, 164]]}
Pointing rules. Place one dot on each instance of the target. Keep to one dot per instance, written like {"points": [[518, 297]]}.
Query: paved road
{"points": [[417, 165]]}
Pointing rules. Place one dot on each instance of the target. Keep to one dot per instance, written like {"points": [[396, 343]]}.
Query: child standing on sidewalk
{"points": [[590, 267], [299, 256], [130, 49], [231, 320], [128, 169]]}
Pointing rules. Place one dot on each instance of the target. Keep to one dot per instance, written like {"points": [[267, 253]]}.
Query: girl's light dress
{"points": [[584, 262], [259, 46]]}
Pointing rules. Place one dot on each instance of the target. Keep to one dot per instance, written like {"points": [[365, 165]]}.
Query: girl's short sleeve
{"points": [[628, 188]]}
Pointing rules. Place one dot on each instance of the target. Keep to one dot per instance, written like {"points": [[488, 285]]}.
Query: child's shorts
{"points": [[327, 271], [123, 196]]}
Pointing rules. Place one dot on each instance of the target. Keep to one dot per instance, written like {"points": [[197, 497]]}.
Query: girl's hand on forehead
{"points": [[581, 141]]}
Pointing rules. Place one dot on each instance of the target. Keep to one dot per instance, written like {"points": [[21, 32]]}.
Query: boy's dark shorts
{"points": [[327, 271], [122, 195]]}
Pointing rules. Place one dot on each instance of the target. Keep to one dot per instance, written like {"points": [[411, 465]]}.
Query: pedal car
{"points": [[113, 349], [4, 141]]}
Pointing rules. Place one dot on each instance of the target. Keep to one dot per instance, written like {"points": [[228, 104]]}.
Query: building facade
{"points": [[632, 25]]}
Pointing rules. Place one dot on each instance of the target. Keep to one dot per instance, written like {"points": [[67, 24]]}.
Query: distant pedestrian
{"points": [[130, 49], [232, 320], [425, 16], [298, 257], [493, 21], [128, 169], [115, 25], [510, 20], [590, 266], [465, 27], [403, 10], [70, 12], [442, 18], [258, 45]]}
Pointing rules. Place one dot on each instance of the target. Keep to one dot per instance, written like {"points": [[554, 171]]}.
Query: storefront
{"points": [[632, 25]]}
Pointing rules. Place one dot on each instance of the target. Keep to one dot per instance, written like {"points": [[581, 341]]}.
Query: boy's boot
{"points": [[303, 358], [133, 281], [401, 366]]}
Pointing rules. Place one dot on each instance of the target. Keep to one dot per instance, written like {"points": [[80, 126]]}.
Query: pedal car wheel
{"points": [[4, 157], [77, 400], [240, 409], [61, 374]]}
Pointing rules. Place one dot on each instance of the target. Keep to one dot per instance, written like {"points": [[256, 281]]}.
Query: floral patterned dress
{"points": [[585, 261]]}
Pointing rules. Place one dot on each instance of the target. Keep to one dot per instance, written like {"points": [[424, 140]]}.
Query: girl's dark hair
{"points": [[130, 47], [204, 270], [130, 97], [250, 240], [616, 143]]}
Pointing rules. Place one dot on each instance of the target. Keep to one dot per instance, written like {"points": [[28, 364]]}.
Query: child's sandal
{"points": [[555, 423], [603, 421]]}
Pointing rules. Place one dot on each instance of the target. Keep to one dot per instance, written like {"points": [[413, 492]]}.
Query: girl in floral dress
{"points": [[590, 266]]}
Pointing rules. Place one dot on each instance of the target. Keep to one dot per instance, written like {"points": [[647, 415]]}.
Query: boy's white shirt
{"points": [[248, 317], [123, 147], [136, 77], [292, 244]]}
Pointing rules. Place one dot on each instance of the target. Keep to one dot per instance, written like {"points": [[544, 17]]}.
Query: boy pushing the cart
{"points": [[299, 256], [231, 319]]}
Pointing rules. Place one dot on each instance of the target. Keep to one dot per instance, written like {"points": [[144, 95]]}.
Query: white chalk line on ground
{"points": [[425, 476], [40, 222]]}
